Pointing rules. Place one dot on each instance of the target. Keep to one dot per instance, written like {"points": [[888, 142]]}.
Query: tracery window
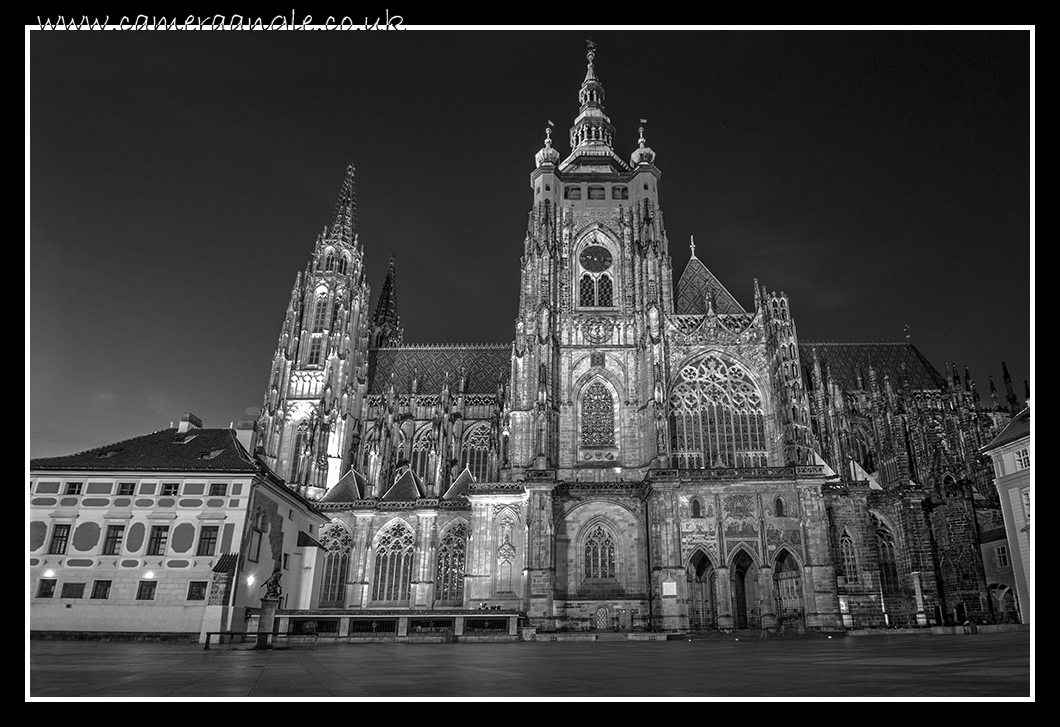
{"points": [[315, 346], [595, 286], [449, 578], [393, 564], [476, 453], [338, 542], [599, 554], [886, 555], [848, 555], [421, 452], [598, 416], [320, 314], [717, 418]]}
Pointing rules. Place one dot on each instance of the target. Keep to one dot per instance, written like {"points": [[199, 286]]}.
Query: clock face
{"points": [[595, 258]]}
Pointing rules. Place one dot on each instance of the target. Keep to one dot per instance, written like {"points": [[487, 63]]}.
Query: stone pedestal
{"points": [[266, 619]]}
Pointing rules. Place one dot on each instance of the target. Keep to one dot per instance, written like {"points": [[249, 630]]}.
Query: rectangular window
{"points": [[126, 488], [46, 588], [218, 489], [73, 590], [1001, 553], [255, 546], [285, 561], [146, 591], [314, 351], [1023, 459], [73, 488], [60, 537], [159, 536], [207, 540], [112, 543], [101, 589], [169, 489], [197, 591]]}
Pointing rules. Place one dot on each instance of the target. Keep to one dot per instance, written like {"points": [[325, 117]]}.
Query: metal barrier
{"points": [[256, 634]]}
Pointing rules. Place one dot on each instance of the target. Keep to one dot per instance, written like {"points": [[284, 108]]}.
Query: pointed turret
{"points": [[386, 324], [344, 222], [592, 136], [1010, 394]]}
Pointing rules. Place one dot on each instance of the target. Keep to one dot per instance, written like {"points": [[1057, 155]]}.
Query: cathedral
{"points": [[645, 454]]}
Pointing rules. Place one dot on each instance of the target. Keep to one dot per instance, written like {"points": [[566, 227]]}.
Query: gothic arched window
{"points": [[697, 509], [717, 418], [598, 416], [476, 452], [886, 554], [329, 261], [599, 554], [337, 542], [848, 555], [778, 507], [320, 313], [449, 578], [393, 564], [595, 285], [343, 262], [421, 452]]}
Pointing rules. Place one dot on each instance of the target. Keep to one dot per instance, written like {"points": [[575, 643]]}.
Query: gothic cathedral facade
{"points": [[641, 456]]}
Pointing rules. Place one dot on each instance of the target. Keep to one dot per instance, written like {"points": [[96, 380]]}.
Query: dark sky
{"points": [[177, 182]]}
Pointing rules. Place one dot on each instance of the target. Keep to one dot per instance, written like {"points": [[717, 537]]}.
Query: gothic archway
{"points": [[744, 578], [787, 589], [338, 542], [702, 592]]}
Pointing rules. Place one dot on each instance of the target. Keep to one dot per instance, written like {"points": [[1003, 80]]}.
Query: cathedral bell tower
{"points": [[316, 388], [588, 372]]}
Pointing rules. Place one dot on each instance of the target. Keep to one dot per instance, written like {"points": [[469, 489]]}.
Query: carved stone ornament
{"points": [[598, 330]]}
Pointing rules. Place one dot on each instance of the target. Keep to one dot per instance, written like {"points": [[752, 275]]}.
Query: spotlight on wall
{"points": [[149, 575]]}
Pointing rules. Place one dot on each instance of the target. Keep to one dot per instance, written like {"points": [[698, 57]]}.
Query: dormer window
{"points": [[572, 192], [596, 192]]}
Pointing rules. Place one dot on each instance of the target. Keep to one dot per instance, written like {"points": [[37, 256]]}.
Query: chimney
{"points": [[247, 434], [189, 421]]}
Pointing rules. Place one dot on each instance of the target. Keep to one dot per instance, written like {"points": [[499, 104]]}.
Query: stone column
{"points": [[767, 597], [723, 587], [540, 555], [423, 559], [266, 619]]}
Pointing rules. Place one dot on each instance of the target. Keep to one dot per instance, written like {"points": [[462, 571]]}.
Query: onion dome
{"points": [[547, 155], [643, 154]]}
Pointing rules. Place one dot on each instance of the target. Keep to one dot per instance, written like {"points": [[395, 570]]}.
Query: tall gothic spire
{"points": [[386, 324], [344, 222]]}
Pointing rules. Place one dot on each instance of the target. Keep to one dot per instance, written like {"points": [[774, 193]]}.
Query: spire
{"points": [[1010, 394], [344, 221], [642, 154], [592, 128], [386, 324]]}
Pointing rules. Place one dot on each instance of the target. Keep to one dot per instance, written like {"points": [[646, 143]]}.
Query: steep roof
{"points": [[460, 486], [197, 450], [485, 365], [696, 286], [351, 486], [1018, 428], [901, 361], [407, 488]]}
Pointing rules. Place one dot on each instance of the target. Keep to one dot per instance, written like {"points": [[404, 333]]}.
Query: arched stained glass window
{"points": [[421, 452], [320, 314], [717, 417], [599, 554], [393, 564], [886, 554], [337, 542], [848, 555], [598, 416], [605, 292], [449, 578], [476, 452], [587, 291]]}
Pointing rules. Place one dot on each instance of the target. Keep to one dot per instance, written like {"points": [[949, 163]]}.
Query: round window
{"points": [[595, 258]]}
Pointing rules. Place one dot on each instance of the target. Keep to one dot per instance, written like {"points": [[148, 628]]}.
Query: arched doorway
{"points": [[787, 581], [744, 575], [702, 593]]}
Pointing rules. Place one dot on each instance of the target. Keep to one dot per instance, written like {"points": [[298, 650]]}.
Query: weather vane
{"points": [[692, 244]]}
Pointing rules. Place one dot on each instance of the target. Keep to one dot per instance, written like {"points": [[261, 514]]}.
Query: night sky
{"points": [[176, 182]]}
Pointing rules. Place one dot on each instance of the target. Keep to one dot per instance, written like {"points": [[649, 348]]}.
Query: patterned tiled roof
{"points": [[197, 450], [902, 362], [485, 364], [696, 285]]}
